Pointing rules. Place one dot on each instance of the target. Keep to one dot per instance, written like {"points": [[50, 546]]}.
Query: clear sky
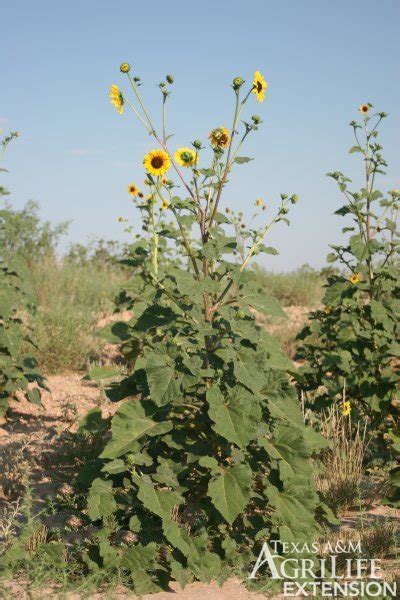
{"points": [[76, 154]]}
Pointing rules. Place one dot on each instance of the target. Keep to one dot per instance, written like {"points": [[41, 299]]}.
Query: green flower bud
{"points": [[294, 199], [197, 144], [237, 83], [125, 68], [284, 211], [162, 84], [170, 79], [256, 119], [284, 196], [136, 79]]}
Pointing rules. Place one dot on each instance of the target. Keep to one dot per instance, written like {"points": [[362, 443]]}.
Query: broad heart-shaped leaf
{"points": [[159, 502], [358, 247], [101, 501], [160, 371], [287, 445], [129, 423], [205, 565], [231, 491], [235, 417], [295, 508], [142, 562], [257, 298], [247, 371]]}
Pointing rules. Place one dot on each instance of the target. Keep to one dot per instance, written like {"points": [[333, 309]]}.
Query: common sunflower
{"points": [[259, 86], [220, 137], [117, 98], [355, 278], [185, 157], [364, 109], [157, 162], [133, 189]]}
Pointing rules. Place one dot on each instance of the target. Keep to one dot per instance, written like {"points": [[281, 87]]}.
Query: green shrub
{"points": [[208, 452], [17, 369], [353, 340]]}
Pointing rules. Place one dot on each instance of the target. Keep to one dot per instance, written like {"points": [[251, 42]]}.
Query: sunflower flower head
{"points": [[220, 137], [346, 408], [364, 109], [259, 202], [259, 86], [125, 68], [355, 278], [133, 190], [185, 157], [164, 205], [117, 98], [157, 162]]}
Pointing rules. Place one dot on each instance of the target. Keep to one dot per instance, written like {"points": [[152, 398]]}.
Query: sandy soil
{"points": [[232, 589]]}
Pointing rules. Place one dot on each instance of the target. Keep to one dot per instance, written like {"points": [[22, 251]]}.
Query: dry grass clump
{"points": [[343, 463]]}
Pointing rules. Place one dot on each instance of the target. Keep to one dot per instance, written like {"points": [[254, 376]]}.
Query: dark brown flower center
{"points": [[157, 162], [259, 86]]}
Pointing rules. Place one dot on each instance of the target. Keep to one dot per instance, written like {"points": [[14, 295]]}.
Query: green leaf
{"points": [[141, 561], [92, 423], [295, 506], [101, 501], [259, 300], [230, 491], [115, 333], [235, 417], [160, 371], [130, 423], [158, 501], [105, 372], [288, 447], [242, 159]]}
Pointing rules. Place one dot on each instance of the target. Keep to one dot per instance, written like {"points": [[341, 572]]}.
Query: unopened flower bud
{"points": [[136, 79], [125, 68], [237, 83], [294, 199], [170, 79], [256, 119], [197, 144], [284, 211], [284, 196]]}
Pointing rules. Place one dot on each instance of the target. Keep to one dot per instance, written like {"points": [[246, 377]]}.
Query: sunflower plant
{"points": [[208, 453], [17, 369], [352, 341]]}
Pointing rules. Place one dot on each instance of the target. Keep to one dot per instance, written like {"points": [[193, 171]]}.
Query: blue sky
{"points": [[76, 154]]}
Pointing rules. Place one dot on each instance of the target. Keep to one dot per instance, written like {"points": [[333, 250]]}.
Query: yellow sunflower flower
{"points": [[185, 157], [364, 109], [259, 86], [346, 408], [133, 190], [355, 278], [259, 202], [164, 205], [157, 162], [220, 137], [117, 98]]}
